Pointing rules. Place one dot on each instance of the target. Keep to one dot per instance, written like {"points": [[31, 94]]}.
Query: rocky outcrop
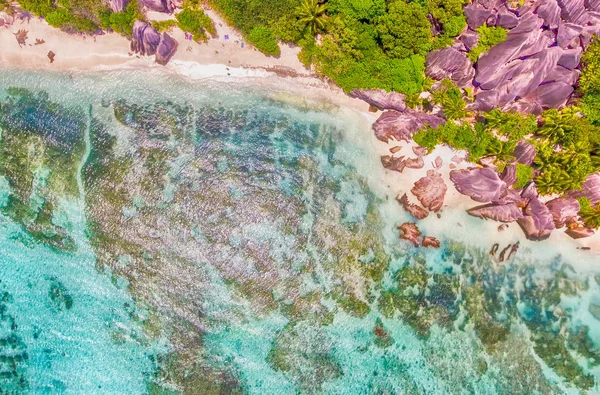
{"points": [[524, 152], [563, 210], [410, 232], [413, 209], [118, 5], [381, 99], [157, 5], [590, 189], [503, 213], [538, 223], [430, 190], [526, 72], [147, 41], [452, 64], [402, 125], [479, 183], [166, 49]]}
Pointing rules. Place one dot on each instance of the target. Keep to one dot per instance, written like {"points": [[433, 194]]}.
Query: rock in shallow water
{"points": [[410, 232], [430, 241], [413, 209]]}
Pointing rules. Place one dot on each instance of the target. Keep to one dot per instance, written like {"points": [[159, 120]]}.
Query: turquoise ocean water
{"points": [[160, 235]]}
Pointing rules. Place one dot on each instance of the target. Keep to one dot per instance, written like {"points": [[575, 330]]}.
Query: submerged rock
{"points": [[563, 210], [479, 183], [430, 241], [381, 99], [410, 232], [413, 209], [504, 213], [402, 125], [430, 190]]}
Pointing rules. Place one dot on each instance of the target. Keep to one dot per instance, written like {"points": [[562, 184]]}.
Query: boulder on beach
{"points": [[147, 41], [580, 232], [413, 209], [381, 99], [392, 163], [503, 213], [415, 163], [158, 5], [166, 49], [538, 223], [410, 232], [402, 125], [563, 210], [479, 183], [430, 190]]}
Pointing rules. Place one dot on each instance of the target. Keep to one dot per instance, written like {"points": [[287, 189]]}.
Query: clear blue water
{"points": [[163, 235]]}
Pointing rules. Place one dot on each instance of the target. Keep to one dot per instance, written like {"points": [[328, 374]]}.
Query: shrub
{"points": [[427, 138], [488, 37], [263, 39], [524, 174], [589, 214], [163, 26], [195, 22]]}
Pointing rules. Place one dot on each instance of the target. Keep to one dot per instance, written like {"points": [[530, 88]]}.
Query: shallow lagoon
{"points": [[200, 236]]}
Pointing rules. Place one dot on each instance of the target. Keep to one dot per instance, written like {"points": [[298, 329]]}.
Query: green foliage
{"points": [[163, 26], [195, 22], [264, 40], [362, 10], [450, 98], [311, 14], [404, 30], [449, 13], [589, 82], [524, 175], [511, 124], [248, 14], [488, 37], [122, 22], [589, 213]]}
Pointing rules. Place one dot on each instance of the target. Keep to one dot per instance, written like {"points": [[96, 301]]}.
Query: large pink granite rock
{"points": [[570, 58], [166, 49], [551, 95], [538, 223], [480, 184], [402, 125], [549, 11], [381, 99], [504, 213], [430, 190], [563, 210], [509, 174], [590, 189], [524, 152], [118, 5], [452, 64], [158, 5]]}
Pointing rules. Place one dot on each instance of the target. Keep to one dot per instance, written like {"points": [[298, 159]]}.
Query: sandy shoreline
{"points": [[229, 61]]}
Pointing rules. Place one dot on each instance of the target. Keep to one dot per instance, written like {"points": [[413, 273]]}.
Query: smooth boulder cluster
{"points": [[504, 204], [147, 41], [536, 67]]}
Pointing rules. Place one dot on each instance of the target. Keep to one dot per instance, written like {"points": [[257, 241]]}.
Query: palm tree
{"points": [[312, 14]]}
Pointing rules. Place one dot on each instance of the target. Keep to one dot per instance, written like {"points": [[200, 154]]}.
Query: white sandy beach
{"points": [[228, 60]]}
